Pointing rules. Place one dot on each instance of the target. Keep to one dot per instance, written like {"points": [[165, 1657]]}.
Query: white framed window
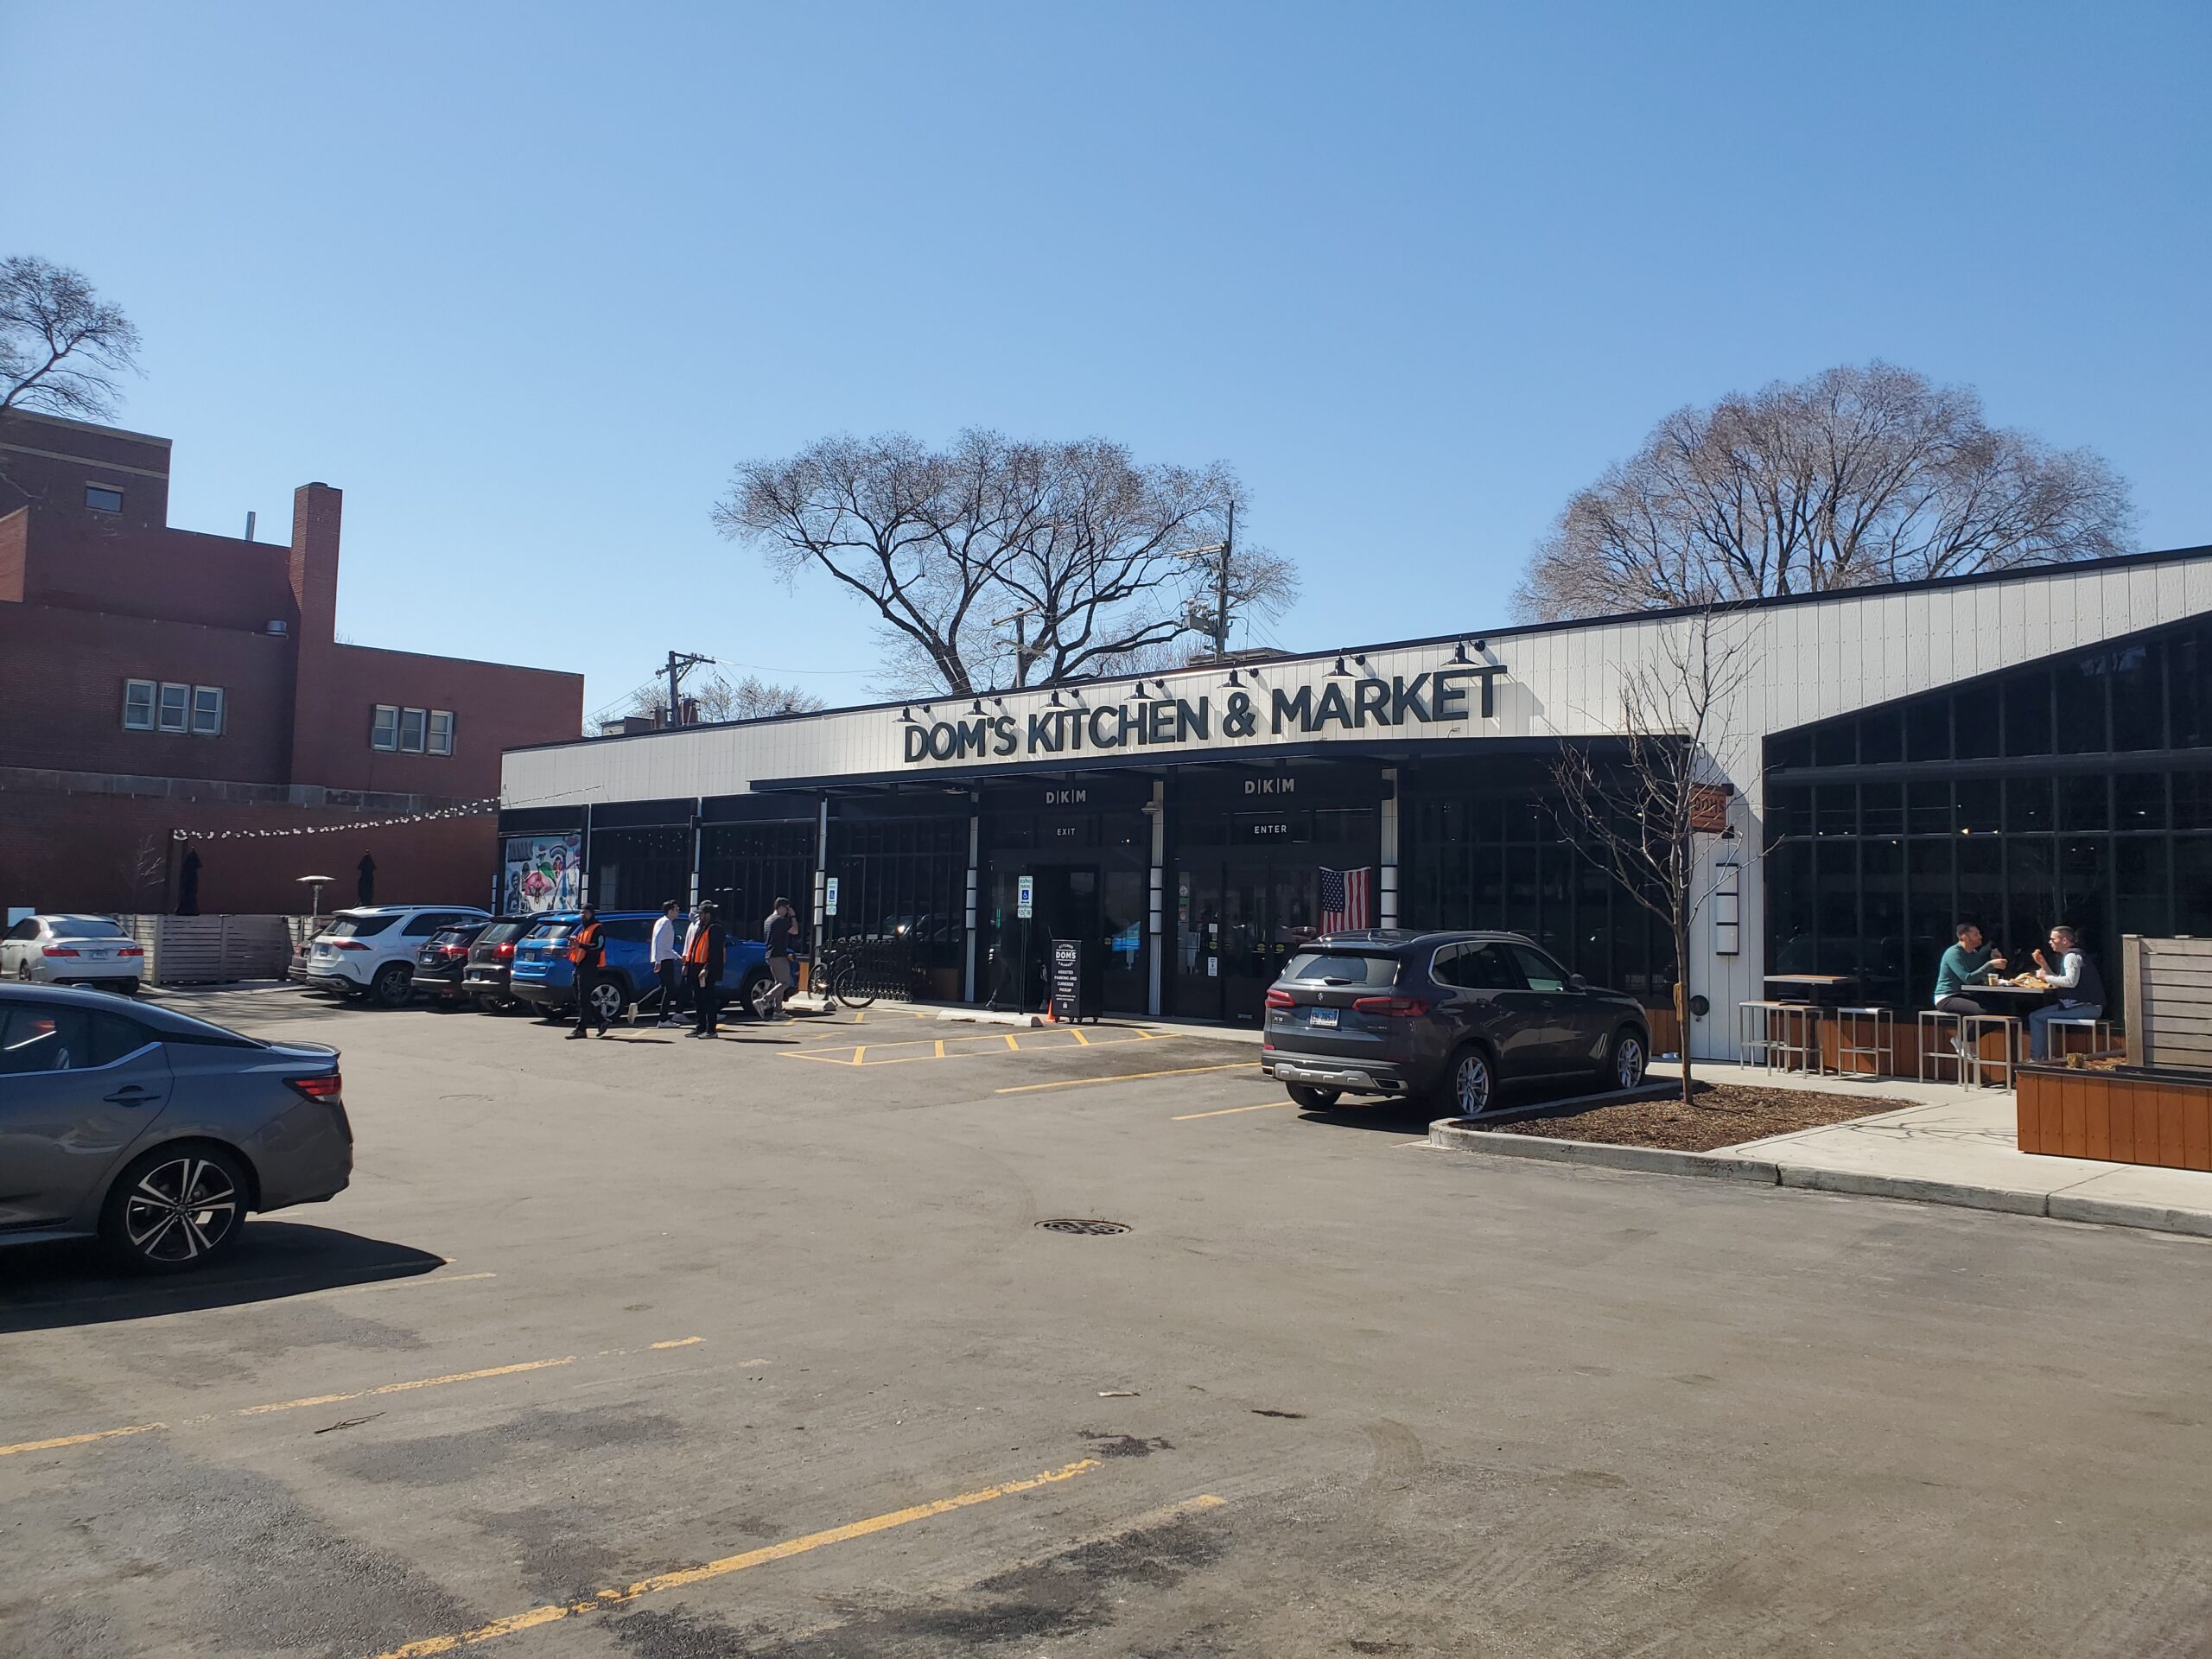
{"points": [[175, 708], [411, 723], [207, 711], [383, 726], [139, 705], [440, 738], [101, 498]]}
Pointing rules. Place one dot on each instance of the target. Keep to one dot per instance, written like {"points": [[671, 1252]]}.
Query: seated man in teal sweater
{"points": [[1963, 965]]}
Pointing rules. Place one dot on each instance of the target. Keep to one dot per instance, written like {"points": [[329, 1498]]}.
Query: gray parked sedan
{"points": [[156, 1131]]}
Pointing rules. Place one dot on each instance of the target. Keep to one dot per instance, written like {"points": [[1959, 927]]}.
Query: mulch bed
{"points": [[1725, 1115]]}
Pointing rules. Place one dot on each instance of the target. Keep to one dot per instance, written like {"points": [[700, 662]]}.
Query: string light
{"points": [[466, 810]]}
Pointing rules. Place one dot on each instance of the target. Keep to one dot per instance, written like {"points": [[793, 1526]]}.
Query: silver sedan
{"points": [[155, 1131], [72, 950]]}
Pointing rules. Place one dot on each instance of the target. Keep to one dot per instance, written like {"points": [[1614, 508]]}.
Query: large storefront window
{"points": [[1086, 849], [904, 881], [745, 867], [1480, 845], [2076, 790], [640, 868]]}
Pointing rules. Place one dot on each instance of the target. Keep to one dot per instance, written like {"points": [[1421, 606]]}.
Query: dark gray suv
{"points": [[1442, 1020]]}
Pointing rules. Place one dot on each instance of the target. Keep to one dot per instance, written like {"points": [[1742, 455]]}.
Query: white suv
{"points": [[370, 950]]}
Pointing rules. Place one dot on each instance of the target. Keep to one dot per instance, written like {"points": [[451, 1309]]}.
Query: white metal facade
{"points": [[1804, 660]]}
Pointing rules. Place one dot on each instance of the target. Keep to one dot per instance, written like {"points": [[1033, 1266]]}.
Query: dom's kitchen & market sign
{"points": [[1438, 697]]}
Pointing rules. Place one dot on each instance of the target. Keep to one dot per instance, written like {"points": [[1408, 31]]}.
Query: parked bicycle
{"points": [[837, 976]]}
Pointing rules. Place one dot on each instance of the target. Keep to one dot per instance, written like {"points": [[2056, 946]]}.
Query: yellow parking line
{"points": [[858, 1050], [1081, 1041], [1227, 1111], [405, 1387], [78, 1440], [940, 1050], [1123, 1076], [553, 1612], [1010, 1043]]}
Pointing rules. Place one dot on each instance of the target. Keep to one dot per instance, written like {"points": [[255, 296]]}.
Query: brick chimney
{"points": [[316, 509]]}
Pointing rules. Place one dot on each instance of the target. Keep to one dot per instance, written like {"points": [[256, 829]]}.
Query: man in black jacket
{"points": [[705, 950], [588, 954]]}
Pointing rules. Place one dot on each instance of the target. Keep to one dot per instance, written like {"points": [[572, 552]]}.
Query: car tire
{"points": [[489, 1004], [126, 987], [1307, 1098], [390, 987], [1469, 1086], [1626, 1060], [609, 998], [177, 1208], [24, 971]]}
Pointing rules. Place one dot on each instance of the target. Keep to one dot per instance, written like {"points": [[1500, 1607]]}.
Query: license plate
{"points": [[1322, 1019], [99, 955]]}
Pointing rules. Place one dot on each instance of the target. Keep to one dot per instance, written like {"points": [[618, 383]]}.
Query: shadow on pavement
{"points": [[1403, 1117], [54, 1286]]}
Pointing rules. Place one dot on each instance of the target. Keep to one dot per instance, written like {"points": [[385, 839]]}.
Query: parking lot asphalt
{"points": [[657, 1347]]}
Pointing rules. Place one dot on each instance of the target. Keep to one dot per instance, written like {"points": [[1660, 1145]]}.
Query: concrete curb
{"points": [[1458, 1134], [985, 1017]]}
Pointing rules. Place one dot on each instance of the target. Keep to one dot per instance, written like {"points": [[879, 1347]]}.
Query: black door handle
{"points": [[132, 1095]]}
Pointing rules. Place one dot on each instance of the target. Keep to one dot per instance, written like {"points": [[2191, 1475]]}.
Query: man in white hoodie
{"points": [[667, 958]]}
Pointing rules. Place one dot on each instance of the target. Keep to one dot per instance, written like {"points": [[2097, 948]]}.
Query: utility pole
{"points": [[679, 664], [1221, 589]]}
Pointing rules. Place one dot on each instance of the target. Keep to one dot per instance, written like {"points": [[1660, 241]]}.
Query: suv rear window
{"points": [[500, 932], [1343, 968], [357, 927], [550, 932]]}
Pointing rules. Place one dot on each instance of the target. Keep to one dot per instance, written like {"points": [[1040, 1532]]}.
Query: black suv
{"points": [[439, 964], [492, 960], [1442, 1020]]}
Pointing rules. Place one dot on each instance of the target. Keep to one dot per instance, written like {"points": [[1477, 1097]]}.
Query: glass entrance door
{"points": [[1238, 924], [1066, 905]]}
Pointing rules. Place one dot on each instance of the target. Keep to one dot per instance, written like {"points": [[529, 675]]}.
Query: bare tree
{"points": [[146, 872], [750, 698], [61, 345], [1648, 818], [1858, 476], [999, 563]]}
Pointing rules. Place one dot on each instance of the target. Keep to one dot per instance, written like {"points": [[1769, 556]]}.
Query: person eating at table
{"points": [[2080, 986], [1964, 965]]}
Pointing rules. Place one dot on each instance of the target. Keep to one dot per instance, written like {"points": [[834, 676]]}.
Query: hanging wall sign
{"points": [[1305, 703]]}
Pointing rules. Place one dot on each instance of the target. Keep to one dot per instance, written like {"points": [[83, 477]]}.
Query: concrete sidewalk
{"points": [[1949, 1146]]}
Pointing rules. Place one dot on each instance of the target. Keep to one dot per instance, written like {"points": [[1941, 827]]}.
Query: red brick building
{"points": [[153, 680]]}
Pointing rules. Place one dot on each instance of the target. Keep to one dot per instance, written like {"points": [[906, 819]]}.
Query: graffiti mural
{"points": [[541, 874]]}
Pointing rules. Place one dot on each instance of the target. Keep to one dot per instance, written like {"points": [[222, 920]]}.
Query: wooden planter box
{"points": [[2123, 1116]]}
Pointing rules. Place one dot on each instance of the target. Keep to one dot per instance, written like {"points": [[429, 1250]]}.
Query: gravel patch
{"points": [[1724, 1115]]}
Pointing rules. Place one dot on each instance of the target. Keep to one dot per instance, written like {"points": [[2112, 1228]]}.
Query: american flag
{"points": [[1347, 899]]}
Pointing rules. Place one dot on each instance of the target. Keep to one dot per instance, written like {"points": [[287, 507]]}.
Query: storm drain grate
{"points": [[1085, 1229]]}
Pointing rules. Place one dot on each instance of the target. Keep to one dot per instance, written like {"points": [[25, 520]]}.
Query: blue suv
{"points": [[544, 979]]}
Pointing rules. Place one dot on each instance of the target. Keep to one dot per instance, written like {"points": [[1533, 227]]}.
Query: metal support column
{"points": [[698, 842], [974, 846], [821, 870], [1386, 886], [1155, 903]]}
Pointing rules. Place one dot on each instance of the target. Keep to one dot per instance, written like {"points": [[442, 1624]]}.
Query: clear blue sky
{"points": [[525, 282]]}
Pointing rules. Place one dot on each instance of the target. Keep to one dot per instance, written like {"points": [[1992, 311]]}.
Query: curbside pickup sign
{"points": [[1312, 704]]}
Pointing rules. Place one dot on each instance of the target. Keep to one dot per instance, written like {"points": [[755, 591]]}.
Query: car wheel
{"points": [[486, 1003], [177, 1208], [1469, 1083], [1310, 1099], [388, 988], [607, 998], [24, 971], [126, 987], [1625, 1063]]}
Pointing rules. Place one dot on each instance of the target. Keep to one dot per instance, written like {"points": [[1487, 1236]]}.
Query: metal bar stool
{"points": [[2101, 1035], [1797, 1045], [1941, 1044], [1976, 1071], [1754, 1033], [1868, 1034]]}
